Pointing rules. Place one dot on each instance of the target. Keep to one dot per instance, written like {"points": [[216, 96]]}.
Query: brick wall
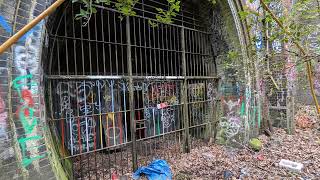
{"points": [[25, 141], [25, 150]]}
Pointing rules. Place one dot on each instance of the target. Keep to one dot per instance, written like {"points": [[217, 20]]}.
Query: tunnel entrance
{"points": [[120, 89]]}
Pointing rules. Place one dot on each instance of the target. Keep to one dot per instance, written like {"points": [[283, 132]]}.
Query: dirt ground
{"points": [[221, 162], [206, 162]]}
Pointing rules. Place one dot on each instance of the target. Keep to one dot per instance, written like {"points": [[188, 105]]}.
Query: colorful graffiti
{"points": [[3, 120], [160, 107], [26, 114], [88, 111]]}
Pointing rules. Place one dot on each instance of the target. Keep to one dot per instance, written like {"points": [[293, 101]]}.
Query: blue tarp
{"points": [[157, 170]]}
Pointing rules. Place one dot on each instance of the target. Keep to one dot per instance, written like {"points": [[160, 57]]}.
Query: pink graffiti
{"points": [[3, 118]]}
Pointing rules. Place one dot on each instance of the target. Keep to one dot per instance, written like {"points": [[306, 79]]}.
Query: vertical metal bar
{"points": [[131, 100], [103, 44], [150, 49], [186, 147], [74, 43], [100, 115], [97, 49], [58, 52], [66, 44], [125, 110], [115, 40], [89, 42], [82, 49], [109, 41], [140, 47]]}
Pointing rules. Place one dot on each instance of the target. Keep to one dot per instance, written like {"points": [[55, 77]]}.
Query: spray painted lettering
{"points": [[26, 115]]}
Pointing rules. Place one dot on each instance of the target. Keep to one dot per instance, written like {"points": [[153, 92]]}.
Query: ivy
{"points": [[165, 17], [126, 8], [88, 9]]}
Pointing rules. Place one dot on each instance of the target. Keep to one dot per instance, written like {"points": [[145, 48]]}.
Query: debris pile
{"points": [[221, 162]]}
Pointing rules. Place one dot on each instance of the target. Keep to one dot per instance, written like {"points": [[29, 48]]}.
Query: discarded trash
{"points": [[294, 166], [244, 173], [227, 174], [114, 176], [157, 170], [260, 157], [162, 105]]}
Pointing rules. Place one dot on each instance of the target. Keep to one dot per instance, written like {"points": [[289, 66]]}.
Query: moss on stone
{"points": [[255, 144]]}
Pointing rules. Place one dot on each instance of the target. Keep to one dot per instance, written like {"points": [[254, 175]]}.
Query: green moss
{"points": [[255, 144]]}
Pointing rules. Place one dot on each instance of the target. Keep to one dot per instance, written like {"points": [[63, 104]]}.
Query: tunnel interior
{"points": [[113, 73]]}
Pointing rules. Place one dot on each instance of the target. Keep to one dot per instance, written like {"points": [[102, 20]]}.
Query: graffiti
{"points": [[26, 56], [231, 121], [196, 95], [167, 117], [211, 93], [26, 114], [95, 103], [277, 8], [8, 28], [314, 42], [277, 46], [159, 107], [3, 120], [259, 40]]}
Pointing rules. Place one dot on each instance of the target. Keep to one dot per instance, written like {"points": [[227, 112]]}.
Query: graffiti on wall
{"points": [[160, 108], [27, 116], [3, 120], [231, 120], [25, 60], [88, 110]]}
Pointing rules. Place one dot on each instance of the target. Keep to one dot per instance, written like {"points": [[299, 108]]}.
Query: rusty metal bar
{"points": [[185, 94], [92, 77], [131, 97], [29, 26]]}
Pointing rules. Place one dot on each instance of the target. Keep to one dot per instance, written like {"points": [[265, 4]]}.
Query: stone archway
{"points": [[28, 149]]}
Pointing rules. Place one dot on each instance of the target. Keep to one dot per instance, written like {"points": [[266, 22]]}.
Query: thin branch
{"points": [[301, 50]]}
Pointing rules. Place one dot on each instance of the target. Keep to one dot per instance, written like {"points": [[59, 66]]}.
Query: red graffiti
{"points": [[28, 101]]}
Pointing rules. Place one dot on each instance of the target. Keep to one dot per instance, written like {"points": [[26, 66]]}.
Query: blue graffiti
{"points": [[259, 41], [8, 28], [5, 25]]}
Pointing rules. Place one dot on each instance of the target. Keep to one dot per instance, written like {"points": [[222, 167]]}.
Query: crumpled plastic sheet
{"points": [[157, 170]]}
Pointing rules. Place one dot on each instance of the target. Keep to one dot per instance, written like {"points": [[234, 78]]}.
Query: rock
{"points": [[255, 144]]}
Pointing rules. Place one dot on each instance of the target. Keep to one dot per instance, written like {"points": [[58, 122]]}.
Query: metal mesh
{"points": [[121, 92]]}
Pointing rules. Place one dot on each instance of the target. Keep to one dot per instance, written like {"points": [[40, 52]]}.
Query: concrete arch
{"points": [[27, 149]]}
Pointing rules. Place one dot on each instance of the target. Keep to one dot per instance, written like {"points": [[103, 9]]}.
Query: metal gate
{"points": [[122, 92]]}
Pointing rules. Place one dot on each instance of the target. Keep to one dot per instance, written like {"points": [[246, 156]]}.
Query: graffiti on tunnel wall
{"points": [[3, 120], [25, 60], [27, 115]]}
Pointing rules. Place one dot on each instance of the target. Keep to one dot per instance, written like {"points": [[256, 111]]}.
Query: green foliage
{"points": [[300, 22], [88, 8], [213, 2], [126, 7], [165, 17]]}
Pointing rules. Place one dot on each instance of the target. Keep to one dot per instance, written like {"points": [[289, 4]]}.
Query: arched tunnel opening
{"points": [[121, 92]]}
